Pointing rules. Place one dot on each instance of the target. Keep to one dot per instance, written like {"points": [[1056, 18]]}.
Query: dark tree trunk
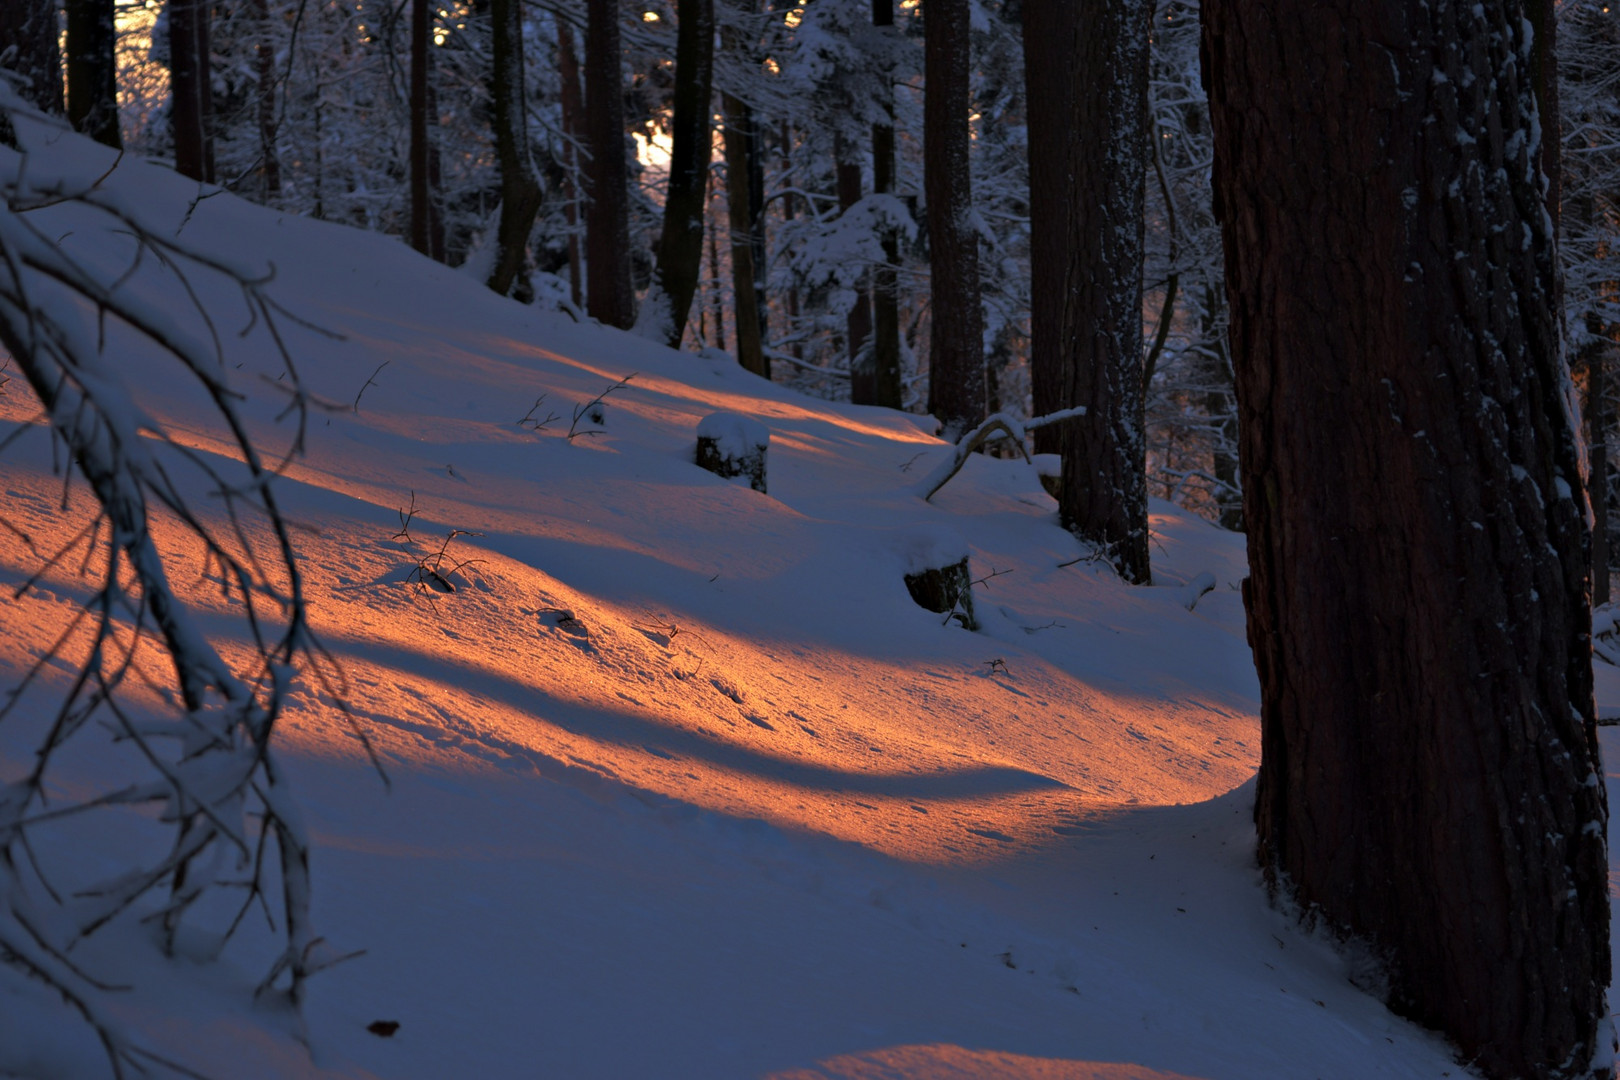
{"points": [[956, 391], [422, 194], [265, 58], [609, 291], [1086, 218], [1051, 46], [680, 245], [190, 90], [573, 129], [745, 316], [1417, 601], [888, 390], [520, 189], [92, 70], [30, 26], [1598, 420], [862, 383]]}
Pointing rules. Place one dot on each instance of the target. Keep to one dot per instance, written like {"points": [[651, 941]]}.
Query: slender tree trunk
{"points": [[30, 27], [680, 245], [745, 301], [421, 127], [574, 130], [609, 290], [956, 389], [190, 92], [787, 215], [520, 189], [1430, 779], [862, 381], [1086, 209], [1051, 46], [718, 341], [888, 389], [265, 58], [92, 70]]}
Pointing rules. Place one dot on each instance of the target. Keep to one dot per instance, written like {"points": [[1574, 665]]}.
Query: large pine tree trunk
{"points": [[1430, 778], [190, 90], [956, 390], [887, 387], [92, 70], [1087, 182], [680, 245], [30, 27], [610, 293], [520, 189]]}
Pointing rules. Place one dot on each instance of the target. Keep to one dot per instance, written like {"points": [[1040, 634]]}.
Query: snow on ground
{"points": [[683, 784]]}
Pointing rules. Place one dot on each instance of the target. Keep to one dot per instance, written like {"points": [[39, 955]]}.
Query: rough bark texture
{"points": [[520, 189], [1093, 325], [1598, 419], [680, 244], [887, 388], [745, 317], [1430, 779], [92, 70], [956, 391], [1051, 46], [30, 26], [190, 90], [610, 294]]}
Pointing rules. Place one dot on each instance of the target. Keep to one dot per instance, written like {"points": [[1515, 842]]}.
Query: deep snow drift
{"points": [[683, 782]]}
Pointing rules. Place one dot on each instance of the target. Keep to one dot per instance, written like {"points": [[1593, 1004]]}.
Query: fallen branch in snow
{"points": [[208, 764], [367, 385], [1006, 424]]}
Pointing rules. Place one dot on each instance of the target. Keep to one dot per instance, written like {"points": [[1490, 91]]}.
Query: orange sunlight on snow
{"points": [[943, 1061]]}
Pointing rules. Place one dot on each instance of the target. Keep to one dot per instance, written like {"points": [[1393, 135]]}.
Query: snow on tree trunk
{"points": [[1430, 778], [956, 388]]}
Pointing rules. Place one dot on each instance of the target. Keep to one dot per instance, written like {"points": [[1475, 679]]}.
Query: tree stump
{"points": [[937, 574], [1049, 467], [731, 445]]}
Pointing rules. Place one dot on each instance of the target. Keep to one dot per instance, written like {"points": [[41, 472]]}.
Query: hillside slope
{"points": [[683, 784]]}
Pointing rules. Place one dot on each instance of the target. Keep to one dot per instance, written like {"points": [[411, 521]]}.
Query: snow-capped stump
{"points": [[937, 573], [1049, 467], [729, 444]]}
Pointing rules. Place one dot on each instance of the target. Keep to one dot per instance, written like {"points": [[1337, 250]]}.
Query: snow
{"points": [[933, 546], [681, 781]]}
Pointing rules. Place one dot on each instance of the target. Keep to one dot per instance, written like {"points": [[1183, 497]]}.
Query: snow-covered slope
{"points": [[683, 782]]}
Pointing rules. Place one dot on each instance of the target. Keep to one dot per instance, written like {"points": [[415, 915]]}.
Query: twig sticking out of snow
{"points": [[1005, 423]]}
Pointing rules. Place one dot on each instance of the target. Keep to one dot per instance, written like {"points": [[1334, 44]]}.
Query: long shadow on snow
{"points": [[626, 729]]}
